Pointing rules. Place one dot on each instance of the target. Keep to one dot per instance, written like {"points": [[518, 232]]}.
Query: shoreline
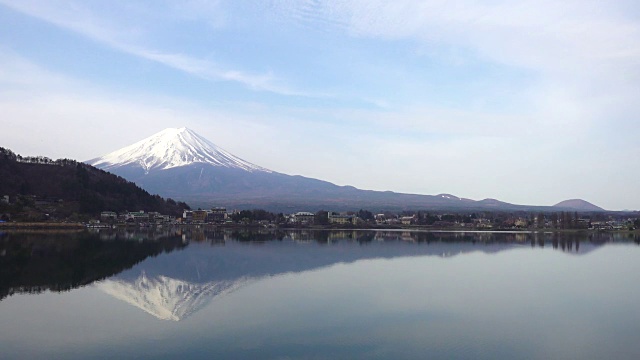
{"points": [[41, 225], [80, 226]]}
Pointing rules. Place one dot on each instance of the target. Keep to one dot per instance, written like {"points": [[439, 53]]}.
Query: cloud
{"points": [[582, 57], [538, 34], [45, 113], [583, 42], [77, 17], [558, 131]]}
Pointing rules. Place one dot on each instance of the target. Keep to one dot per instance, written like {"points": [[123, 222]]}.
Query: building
{"points": [[521, 223], [341, 219], [407, 220], [164, 219], [4, 199], [108, 216], [217, 214], [199, 216], [304, 217], [139, 216]]}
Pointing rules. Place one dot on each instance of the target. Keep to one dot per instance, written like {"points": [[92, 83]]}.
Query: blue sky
{"points": [[530, 102]]}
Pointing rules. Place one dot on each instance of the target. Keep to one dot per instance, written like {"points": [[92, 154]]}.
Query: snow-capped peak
{"points": [[172, 148]]}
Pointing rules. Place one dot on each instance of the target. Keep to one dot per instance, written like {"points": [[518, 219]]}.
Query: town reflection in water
{"points": [[35, 261], [340, 294]]}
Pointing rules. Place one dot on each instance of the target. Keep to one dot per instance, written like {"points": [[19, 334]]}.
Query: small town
{"points": [[34, 210], [219, 216]]}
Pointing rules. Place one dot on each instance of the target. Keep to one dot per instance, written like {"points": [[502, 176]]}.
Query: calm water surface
{"points": [[190, 293]]}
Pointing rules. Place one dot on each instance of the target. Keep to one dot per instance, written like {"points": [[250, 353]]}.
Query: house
{"points": [[520, 223], [407, 220], [335, 218], [137, 216], [304, 217], [601, 225], [108, 215], [217, 214], [165, 219], [199, 216], [4, 199]]}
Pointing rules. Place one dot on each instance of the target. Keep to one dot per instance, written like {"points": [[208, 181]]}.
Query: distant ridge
{"points": [[181, 164], [578, 205]]}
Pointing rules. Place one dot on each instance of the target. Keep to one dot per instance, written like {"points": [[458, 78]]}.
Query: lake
{"points": [[195, 293]]}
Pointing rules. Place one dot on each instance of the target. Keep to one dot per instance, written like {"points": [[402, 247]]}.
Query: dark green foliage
{"points": [[321, 218], [430, 219], [448, 217], [254, 215], [365, 215], [90, 189]]}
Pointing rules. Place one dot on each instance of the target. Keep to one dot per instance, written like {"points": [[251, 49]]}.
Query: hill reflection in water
{"points": [[195, 293], [172, 274]]}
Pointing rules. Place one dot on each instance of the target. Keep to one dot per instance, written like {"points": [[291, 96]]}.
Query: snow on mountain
{"points": [[448, 196], [172, 148], [167, 298], [182, 165]]}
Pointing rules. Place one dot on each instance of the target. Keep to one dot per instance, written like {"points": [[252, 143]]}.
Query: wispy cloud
{"points": [[47, 111], [584, 55], [470, 97], [77, 17], [548, 34]]}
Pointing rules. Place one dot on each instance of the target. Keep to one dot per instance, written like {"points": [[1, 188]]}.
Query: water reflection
{"points": [[215, 235], [220, 262], [342, 294], [35, 261]]}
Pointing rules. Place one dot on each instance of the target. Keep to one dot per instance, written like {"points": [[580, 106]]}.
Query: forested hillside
{"points": [[67, 187]]}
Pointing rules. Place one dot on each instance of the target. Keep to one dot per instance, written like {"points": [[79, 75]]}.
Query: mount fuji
{"points": [[183, 165], [172, 148]]}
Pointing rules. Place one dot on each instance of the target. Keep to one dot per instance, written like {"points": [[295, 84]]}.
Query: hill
{"points": [[578, 205], [67, 186]]}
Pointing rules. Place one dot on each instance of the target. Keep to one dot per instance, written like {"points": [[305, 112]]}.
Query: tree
{"points": [[366, 215], [430, 219], [321, 218], [540, 220]]}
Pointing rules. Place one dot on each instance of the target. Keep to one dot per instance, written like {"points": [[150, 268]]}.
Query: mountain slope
{"points": [[181, 164], [84, 188], [172, 148]]}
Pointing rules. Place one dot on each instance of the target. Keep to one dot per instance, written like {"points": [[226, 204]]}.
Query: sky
{"points": [[529, 102]]}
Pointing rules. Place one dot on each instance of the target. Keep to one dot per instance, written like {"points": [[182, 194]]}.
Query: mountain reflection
{"points": [[213, 263], [36, 261]]}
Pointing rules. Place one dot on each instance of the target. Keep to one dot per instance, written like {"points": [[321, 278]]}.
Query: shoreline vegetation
{"points": [[75, 226]]}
